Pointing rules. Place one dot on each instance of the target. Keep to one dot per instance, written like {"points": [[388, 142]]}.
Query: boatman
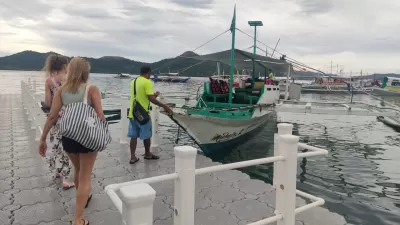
{"points": [[144, 95], [271, 76]]}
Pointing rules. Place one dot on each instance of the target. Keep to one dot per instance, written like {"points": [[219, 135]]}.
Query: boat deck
{"points": [[29, 196]]}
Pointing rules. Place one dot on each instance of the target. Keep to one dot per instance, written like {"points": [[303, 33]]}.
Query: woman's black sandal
{"points": [[87, 203]]}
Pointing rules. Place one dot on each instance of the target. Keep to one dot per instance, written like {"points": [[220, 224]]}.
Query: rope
{"points": [[184, 129], [291, 60], [178, 57], [211, 40], [184, 69]]}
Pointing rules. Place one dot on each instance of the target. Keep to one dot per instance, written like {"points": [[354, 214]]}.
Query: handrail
{"points": [[238, 165], [32, 107], [286, 155]]}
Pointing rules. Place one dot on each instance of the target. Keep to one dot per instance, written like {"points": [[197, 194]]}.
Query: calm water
{"points": [[360, 179]]}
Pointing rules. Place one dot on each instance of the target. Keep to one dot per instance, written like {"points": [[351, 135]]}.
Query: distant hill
{"points": [[34, 61], [26, 60], [30, 60], [378, 76]]}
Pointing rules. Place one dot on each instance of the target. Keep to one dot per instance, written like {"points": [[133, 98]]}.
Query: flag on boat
{"points": [[233, 24]]}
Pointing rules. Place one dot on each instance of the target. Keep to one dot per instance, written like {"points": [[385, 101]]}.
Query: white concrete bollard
{"points": [[22, 91], [34, 86], [137, 207], [30, 104], [38, 134], [283, 128], [155, 116], [23, 100], [26, 99], [124, 121], [36, 112], [184, 193], [286, 182]]}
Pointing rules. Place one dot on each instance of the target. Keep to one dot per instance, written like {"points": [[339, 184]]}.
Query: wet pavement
{"points": [[29, 195]]}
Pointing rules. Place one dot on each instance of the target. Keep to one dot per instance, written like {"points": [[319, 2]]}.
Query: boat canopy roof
{"points": [[244, 60]]}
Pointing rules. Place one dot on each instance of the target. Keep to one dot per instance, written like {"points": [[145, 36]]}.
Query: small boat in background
{"points": [[123, 76], [170, 78], [329, 84], [390, 87]]}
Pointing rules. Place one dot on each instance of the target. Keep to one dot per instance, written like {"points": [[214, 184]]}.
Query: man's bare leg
{"points": [[132, 146], [148, 154]]}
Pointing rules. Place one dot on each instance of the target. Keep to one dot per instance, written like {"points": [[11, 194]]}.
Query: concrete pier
{"points": [[29, 195]]}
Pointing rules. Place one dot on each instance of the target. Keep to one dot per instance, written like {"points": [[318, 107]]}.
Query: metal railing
{"points": [[135, 199]]}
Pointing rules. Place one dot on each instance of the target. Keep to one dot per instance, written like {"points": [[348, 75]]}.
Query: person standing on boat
{"points": [[271, 76], [144, 95], [59, 163], [270, 79]]}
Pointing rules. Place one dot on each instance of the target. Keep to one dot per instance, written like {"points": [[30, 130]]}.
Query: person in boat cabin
{"points": [[59, 162], [270, 79], [144, 95]]}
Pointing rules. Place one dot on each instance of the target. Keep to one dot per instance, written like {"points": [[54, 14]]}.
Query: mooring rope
{"points": [[184, 129]]}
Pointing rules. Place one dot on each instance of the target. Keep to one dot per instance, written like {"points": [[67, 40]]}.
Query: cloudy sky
{"points": [[354, 34]]}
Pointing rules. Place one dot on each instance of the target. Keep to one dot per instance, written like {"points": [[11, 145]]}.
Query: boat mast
{"points": [[232, 69], [254, 24]]}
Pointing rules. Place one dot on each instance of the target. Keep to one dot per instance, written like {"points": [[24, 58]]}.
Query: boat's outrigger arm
{"points": [[336, 108]]}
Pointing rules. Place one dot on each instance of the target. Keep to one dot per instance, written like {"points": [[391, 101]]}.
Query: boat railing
{"points": [[135, 199], [199, 96]]}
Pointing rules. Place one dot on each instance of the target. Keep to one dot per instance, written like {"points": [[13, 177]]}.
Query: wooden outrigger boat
{"points": [[224, 115]]}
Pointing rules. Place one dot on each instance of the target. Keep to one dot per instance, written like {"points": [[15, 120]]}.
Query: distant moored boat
{"points": [[123, 76], [169, 77]]}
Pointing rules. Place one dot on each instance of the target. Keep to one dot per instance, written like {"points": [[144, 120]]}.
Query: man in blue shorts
{"points": [[144, 95]]}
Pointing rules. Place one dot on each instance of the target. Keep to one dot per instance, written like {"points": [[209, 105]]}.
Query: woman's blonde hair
{"points": [[77, 74]]}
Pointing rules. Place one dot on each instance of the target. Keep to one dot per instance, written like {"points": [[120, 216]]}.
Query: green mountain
{"points": [[34, 61]]}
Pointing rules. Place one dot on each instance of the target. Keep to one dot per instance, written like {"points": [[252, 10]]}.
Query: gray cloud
{"points": [[194, 3], [7, 33], [146, 30], [93, 13], [28, 9], [315, 6]]}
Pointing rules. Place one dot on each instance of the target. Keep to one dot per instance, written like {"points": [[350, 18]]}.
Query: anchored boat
{"points": [[169, 77], [123, 76], [225, 115], [329, 84], [390, 87]]}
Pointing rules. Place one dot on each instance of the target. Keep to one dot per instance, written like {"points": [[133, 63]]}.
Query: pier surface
{"points": [[29, 195]]}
